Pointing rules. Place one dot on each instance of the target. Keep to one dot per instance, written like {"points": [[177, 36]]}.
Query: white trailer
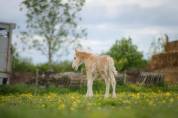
{"points": [[5, 51]]}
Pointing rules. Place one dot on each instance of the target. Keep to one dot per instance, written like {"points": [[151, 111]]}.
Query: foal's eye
{"points": [[74, 57]]}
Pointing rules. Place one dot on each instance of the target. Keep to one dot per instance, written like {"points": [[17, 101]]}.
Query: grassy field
{"points": [[132, 102]]}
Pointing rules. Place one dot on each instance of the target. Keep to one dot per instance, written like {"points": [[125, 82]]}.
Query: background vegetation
{"points": [[124, 53]]}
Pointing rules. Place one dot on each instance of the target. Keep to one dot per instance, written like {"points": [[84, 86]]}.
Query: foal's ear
{"points": [[76, 50]]}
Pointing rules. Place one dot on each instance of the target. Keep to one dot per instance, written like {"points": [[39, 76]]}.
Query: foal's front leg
{"points": [[89, 86]]}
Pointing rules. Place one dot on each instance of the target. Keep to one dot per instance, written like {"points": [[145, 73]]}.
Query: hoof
{"points": [[106, 96], [114, 96], [89, 96]]}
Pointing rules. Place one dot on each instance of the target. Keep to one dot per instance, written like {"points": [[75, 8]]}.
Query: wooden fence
{"points": [[150, 78]]}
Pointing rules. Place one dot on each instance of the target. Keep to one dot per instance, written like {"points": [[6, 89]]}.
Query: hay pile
{"points": [[172, 46], [164, 60], [167, 62]]}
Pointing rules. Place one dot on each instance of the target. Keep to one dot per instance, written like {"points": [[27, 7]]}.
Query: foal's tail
{"points": [[112, 69]]}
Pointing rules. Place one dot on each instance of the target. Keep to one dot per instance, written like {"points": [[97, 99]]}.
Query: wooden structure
{"points": [[150, 78], [67, 79], [167, 62], [121, 78], [5, 51]]}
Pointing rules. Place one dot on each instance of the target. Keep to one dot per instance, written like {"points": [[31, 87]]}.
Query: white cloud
{"points": [[109, 20], [113, 7], [96, 45], [142, 36]]}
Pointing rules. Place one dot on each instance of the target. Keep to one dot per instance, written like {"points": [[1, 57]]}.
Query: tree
{"points": [[52, 25], [158, 45], [126, 55]]}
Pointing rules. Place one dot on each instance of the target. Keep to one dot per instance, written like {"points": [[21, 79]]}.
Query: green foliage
{"points": [[20, 64], [98, 88], [24, 88], [64, 66], [23, 65], [18, 88], [126, 55], [52, 25]]}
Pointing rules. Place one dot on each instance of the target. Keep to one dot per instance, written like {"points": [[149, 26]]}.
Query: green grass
{"points": [[18, 101]]}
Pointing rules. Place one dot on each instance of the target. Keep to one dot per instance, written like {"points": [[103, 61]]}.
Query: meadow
{"points": [[18, 101]]}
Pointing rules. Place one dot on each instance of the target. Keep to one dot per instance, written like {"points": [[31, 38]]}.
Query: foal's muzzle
{"points": [[75, 67]]}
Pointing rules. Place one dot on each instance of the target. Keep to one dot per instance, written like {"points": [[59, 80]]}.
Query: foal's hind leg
{"points": [[113, 83], [107, 88], [106, 95]]}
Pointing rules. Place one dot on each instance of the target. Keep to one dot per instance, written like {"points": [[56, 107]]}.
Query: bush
{"points": [[23, 88], [64, 66], [23, 65], [126, 55]]}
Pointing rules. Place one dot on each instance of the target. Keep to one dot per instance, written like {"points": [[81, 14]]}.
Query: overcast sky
{"points": [[109, 20]]}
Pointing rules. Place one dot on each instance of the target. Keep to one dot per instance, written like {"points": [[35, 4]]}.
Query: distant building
{"points": [[5, 51]]}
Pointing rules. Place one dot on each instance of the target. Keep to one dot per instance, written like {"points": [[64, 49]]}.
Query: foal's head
{"points": [[77, 60]]}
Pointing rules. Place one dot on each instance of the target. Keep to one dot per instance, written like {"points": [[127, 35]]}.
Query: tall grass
{"points": [[98, 88]]}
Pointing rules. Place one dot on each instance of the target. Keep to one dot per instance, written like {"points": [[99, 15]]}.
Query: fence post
{"points": [[36, 80], [125, 77]]}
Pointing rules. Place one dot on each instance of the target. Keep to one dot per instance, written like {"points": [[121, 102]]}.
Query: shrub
{"points": [[126, 55], [23, 65]]}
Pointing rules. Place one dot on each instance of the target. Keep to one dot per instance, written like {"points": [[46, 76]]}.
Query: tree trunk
{"points": [[49, 52], [49, 57]]}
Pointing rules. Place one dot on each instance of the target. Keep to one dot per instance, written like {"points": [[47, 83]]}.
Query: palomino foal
{"points": [[96, 65]]}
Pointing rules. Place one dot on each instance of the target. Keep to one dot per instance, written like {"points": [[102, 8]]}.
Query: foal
{"points": [[96, 65]]}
